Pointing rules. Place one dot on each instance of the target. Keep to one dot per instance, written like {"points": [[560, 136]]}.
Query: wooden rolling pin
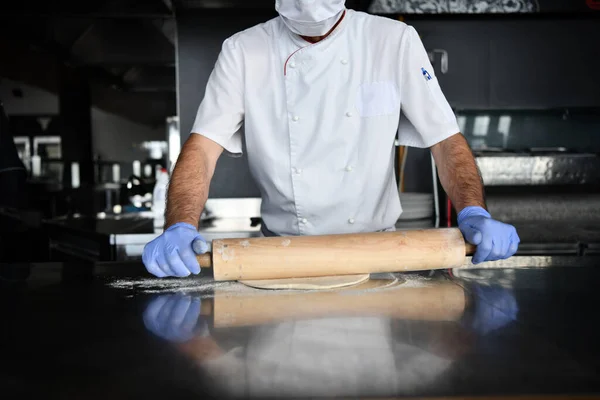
{"points": [[344, 254]]}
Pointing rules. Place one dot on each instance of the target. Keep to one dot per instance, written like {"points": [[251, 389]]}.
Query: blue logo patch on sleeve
{"points": [[426, 74]]}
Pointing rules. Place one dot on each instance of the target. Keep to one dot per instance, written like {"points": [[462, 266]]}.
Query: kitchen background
{"points": [[114, 86]]}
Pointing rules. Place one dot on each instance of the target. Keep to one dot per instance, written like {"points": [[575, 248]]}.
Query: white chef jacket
{"points": [[320, 119]]}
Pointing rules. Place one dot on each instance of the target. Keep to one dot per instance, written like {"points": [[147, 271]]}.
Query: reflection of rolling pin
{"points": [[442, 301], [305, 256]]}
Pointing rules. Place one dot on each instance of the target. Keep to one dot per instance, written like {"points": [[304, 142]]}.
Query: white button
{"points": [[295, 118], [349, 168], [297, 170], [344, 61], [304, 220], [349, 114], [292, 65], [351, 221]]}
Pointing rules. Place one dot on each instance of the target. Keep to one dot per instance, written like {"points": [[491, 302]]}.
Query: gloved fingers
{"points": [[164, 314], [512, 308], [483, 249], [189, 259], [199, 245], [176, 264], [164, 264], [504, 249], [191, 316], [495, 308], [173, 260], [471, 234], [514, 246], [155, 270], [514, 243], [503, 242], [149, 260], [499, 249], [176, 319], [180, 308], [151, 313], [153, 267]]}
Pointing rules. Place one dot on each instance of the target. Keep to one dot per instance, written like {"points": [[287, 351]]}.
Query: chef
{"points": [[321, 91]]}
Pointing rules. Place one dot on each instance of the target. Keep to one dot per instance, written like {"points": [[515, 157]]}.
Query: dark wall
{"points": [[516, 63], [568, 5]]}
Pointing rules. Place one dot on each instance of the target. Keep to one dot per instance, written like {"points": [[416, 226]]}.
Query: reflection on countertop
{"points": [[344, 335], [470, 333]]}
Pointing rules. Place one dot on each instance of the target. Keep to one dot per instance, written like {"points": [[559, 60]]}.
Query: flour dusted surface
{"points": [[205, 285]]}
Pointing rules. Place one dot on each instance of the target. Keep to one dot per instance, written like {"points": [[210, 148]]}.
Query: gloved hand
{"points": [[494, 240], [495, 307], [174, 252], [175, 317]]}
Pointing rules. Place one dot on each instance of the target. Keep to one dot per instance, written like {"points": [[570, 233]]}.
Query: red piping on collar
{"points": [[327, 34], [330, 31], [288, 59]]}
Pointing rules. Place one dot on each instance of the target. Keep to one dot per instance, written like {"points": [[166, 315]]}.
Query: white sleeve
{"points": [[426, 118], [221, 112]]}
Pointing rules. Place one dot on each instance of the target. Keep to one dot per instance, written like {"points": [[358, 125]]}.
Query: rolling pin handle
{"points": [[470, 249], [205, 260]]}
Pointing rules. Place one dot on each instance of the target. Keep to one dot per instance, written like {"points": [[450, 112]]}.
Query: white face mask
{"points": [[310, 17]]}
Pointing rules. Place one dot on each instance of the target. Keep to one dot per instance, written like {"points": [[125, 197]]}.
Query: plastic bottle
{"points": [[36, 166], [159, 196], [137, 168], [75, 182]]}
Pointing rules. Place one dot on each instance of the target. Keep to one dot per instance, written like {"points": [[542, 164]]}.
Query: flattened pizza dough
{"points": [[315, 283]]}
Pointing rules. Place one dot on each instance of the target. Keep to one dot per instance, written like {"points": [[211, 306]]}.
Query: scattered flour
{"points": [[205, 285], [415, 280], [199, 285]]}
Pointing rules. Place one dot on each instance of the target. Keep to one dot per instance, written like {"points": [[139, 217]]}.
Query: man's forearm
{"points": [[458, 172], [189, 185]]}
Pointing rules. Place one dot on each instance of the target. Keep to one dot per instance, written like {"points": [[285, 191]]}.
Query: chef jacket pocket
{"points": [[377, 98]]}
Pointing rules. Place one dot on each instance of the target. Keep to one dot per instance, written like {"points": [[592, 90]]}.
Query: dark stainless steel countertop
{"points": [[110, 331]]}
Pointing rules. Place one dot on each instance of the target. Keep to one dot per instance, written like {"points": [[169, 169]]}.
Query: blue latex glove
{"points": [[494, 240], [174, 252], [495, 307], [175, 317]]}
